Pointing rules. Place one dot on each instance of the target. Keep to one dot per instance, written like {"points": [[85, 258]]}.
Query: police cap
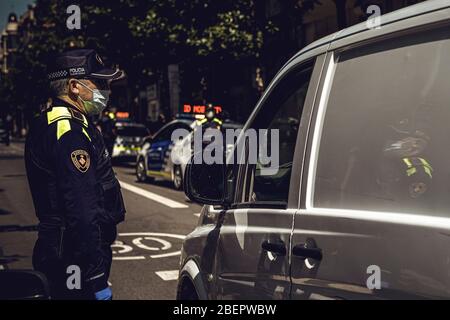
{"points": [[81, 64]]}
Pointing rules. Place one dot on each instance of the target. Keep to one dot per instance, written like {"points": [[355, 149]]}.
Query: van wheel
{"points": [[177, 178], [187, 291], [141, 175]]}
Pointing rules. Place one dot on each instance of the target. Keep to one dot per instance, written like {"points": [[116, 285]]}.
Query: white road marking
{"points": [[148, 236], [129, 258], [14, 147], [155, 234], [168, 275], [153, 196], [166, 245], [120, 244], [165, 255]]}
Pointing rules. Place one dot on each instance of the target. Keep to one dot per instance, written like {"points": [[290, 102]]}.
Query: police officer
{"points": [[76, 196], [406, 172], [210, 120], [107, 125]]}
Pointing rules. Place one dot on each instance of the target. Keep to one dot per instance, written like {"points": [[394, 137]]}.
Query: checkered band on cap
{"points": [[58, 75], [80, 63]]}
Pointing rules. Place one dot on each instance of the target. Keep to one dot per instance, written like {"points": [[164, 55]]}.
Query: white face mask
{"points": [[99, 100], [210, 115]]}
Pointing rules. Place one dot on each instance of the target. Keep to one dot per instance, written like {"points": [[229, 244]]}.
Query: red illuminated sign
{"points": [[198, 109], [122, 115]]}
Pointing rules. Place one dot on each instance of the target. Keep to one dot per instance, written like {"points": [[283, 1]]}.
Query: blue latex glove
{"points": [[105, 294]]}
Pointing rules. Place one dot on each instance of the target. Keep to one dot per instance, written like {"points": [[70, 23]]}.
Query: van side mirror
{"points": [[23, 285], [205, 183]]}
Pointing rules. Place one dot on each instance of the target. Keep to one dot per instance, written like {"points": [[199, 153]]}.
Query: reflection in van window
{"points": [[385, 141]]}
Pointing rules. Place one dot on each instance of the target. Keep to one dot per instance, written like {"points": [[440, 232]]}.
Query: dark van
{"points": [[360, 208]]}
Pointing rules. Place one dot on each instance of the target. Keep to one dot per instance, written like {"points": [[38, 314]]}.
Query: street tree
{"points": [[138, 36]]}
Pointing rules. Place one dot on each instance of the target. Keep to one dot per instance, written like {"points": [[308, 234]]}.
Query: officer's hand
{"points": [[105, 294]]}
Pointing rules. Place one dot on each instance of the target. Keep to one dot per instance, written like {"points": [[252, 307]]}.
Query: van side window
{"points": [[281, 112], [386, 131]]}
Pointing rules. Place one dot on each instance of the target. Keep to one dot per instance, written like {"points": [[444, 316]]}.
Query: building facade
{"points": [[16, 31], [9, 43]]}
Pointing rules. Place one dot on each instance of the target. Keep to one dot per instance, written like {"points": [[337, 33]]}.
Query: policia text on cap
{"points": [[76, 196]]}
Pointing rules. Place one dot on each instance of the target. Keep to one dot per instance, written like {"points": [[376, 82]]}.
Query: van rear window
{"points": [[385, 143]]}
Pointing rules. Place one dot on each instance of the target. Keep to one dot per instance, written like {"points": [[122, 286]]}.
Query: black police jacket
{"points": [[74, 190]]}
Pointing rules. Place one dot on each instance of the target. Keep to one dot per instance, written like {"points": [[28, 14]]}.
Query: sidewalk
{"points": [[17, 219]]}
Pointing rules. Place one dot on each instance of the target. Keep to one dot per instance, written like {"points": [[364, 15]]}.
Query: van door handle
{"points": [[303, 252], [278, 248]]}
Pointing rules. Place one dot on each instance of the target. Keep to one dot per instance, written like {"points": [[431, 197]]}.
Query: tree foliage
{"points": [[222, 29], [135, 35]]}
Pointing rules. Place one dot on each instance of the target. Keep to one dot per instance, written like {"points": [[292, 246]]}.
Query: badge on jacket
{"points": [[81, 160]]}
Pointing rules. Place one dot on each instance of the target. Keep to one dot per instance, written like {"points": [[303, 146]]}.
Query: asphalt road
{"points": [[146, 253]]}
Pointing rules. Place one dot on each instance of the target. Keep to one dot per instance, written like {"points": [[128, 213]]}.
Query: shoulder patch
{"points": [[81, 160]]}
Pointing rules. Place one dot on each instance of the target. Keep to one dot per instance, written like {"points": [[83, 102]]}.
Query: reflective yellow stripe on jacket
{"points": [[413, 163], [62, 127], [61, 115]]}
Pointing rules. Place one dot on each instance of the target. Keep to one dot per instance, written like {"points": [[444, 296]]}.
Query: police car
{"points": [[130, 136], [154, 158]]}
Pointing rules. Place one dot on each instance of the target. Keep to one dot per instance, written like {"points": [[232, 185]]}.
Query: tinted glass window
{"points": [[384, 143], [281, 111]]}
